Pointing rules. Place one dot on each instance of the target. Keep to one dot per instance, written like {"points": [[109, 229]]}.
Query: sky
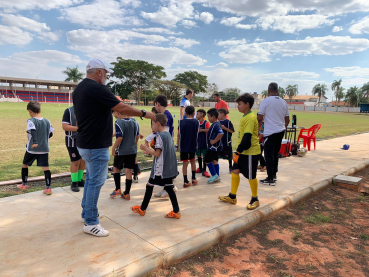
{"points": [[236, 43]]}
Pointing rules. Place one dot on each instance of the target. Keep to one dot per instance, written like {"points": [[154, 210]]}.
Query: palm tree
{"points": [[352, 96], [319, 89], [336, 85], [281, 92], [291, 91], [73, 75], [365, 90], [264, 93]]}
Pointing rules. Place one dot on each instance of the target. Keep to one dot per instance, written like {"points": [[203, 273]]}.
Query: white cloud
{"points": [[171, 14], [39, 64], [262, 52], [206, 17], [188, 23], [14, 35], [231, 42], [49, 37], [222, 64], [246, 26], [293, 23], [337, 29], [230, 21], [24, 23], [11, 5], [133, 3], [351, 71], [157, 30], [185, 42], [99, 14], [361, 27]]}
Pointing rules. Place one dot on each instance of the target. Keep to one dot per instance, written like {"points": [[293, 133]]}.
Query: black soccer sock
{"points": [[135, 170], [199, 159], [24, 175], [232, 196], [47, 174], [147, 197], [193, 175], [185, 178], [173, 198], [253, 199], [204, 164], [117, 180], [128, 186]]}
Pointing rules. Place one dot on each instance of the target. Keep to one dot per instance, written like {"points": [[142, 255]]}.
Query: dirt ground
{"points": [[325, 235]]}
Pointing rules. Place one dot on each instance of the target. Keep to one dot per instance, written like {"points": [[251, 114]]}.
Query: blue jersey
{"points": [[214, 131], [188, 130], [227, 138], [201, 139], [169, 122]]}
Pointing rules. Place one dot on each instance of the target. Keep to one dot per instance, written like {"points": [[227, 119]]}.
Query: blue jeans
{"points": [[96, 172]]}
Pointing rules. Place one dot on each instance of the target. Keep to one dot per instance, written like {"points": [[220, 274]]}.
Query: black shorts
{"points": [[187, 156], [74, 154], [211, 156], [226, 153], [248, 165], [126, 161], [158, 181], [42, 159]]}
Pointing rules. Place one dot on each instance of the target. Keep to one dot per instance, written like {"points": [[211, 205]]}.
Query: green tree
{"points": [[193, 80], [171, 89], [281, 92], [352, 96], [291, 91], [264, 93], [73, 75], [365, 90], [137, 74], [336, 86], [121, 89], [231, 94], [320, 90]]}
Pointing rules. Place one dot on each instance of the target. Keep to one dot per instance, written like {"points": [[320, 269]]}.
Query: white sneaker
{"points": [[99, 216], [96, 230], [160, 193], [165, 193], [135, 179]]}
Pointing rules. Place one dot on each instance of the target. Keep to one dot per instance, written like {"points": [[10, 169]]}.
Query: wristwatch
{"points": [[143, 114]]}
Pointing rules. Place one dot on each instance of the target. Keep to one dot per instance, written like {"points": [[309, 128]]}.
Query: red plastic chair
{"points": [[309, 134]]}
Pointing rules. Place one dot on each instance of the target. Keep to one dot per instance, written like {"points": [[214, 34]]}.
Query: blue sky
{"points": [[236, 43]]}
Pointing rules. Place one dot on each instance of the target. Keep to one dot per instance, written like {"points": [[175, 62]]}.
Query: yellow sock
{"points": [[235, 183], [254, 187]]}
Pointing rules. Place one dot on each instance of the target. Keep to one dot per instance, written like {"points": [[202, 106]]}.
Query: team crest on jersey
{"points": [[73, 155]]}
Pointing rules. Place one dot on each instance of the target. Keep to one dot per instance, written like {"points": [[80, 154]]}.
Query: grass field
{"points": [[13, 117]]}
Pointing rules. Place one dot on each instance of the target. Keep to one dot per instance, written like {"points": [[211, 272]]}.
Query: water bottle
{"points": [[294, 122]]}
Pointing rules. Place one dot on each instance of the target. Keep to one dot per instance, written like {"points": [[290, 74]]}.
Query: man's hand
{"points": [[222, 126], [150, 115], [34, 145], [113, 152], [236, 157], [141, 136]]}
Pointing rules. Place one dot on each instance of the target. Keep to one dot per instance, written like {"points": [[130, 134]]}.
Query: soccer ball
{"points": [[302, 152]]}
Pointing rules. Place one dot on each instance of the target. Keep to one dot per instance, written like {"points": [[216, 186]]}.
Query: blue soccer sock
{"points": [[217, 169], [212, 169]]}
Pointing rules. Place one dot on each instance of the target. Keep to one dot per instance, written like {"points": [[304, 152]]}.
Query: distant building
{"points": [[306, 100], [340, 104]]}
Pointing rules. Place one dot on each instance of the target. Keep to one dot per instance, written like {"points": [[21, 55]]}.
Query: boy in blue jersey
{"points": [[188, 130], [202, 147], [227, 127], [185, 102], [39, 131], [214, 142]]}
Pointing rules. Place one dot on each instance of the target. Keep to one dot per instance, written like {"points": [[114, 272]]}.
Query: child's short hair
{"points": [[162, 100], [213, 112], [34, 106], [246, 98], [153, 110], [223, 111], [162, 119], [202, 111], [190, 110], [189, 91]]}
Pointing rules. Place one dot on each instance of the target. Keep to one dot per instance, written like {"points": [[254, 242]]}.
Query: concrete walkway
{"points": [[42, 235]]}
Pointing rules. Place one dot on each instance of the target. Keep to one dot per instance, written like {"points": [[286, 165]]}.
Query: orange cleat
{"points": [[198, 170], [206, 174], [186, 185], [173, 215], [115, 193], [127, 196], [137, 210], [25, 187], [47, 191], [194, 182]]}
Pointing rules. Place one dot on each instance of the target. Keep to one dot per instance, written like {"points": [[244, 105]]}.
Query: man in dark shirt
{"points": [[93, 103]]}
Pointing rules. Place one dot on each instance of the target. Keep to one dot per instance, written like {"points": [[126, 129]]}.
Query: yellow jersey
{"points": [[249, 124]]}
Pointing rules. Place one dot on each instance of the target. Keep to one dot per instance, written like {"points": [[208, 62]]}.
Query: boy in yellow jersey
{"points": [[246, 158]]}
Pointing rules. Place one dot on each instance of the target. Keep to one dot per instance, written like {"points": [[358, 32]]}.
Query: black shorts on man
{"points": [[42, 159], [247, 165], [126, 161]]}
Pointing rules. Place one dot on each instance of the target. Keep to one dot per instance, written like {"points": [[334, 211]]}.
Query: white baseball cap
{"points": [[96, 63]]}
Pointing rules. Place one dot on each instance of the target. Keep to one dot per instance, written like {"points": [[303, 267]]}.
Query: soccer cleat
{"points": [[23, 187], [194, 182], [186, 185], [127, 196], [263, 169], [173, 215], [213, 179], [253, 205], [99, 216], [275, 178], [115, 193], [135, 179], [47, 191], [137, 210], [74, 187], [228, 199], [266, 181], [230, 170], [95, 230], [138, 169], [81, 183], [160, 193], [206, 174], [198, 170]]}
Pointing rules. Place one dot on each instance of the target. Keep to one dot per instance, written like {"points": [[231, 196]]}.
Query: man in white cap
{"points": [[93, 104]]}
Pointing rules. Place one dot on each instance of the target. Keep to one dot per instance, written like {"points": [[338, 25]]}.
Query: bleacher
{"points": [[40, 96]]}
